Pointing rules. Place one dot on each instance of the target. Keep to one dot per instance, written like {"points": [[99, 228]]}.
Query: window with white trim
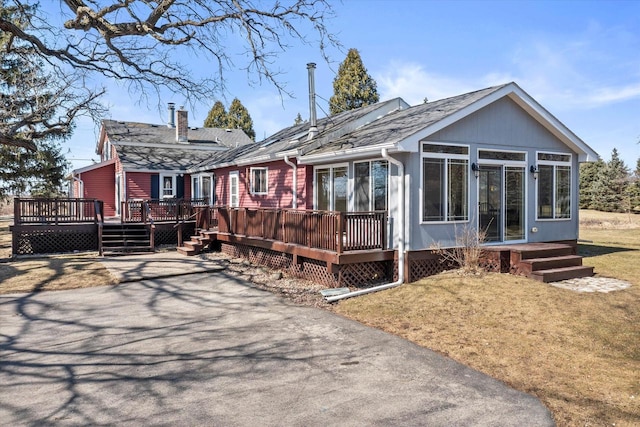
{"points": [[330, 188], [370, 185], [554, 186], [167, 186], [259, 181], [445, 182]]}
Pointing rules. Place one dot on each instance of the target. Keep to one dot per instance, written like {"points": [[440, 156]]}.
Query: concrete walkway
{"points": [[206, 349], [132, 268]]}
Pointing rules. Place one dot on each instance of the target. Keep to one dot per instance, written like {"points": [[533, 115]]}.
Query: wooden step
{"points": [[193, 245], [545, 252], [527, 266], [186, 251], [563, 273]]}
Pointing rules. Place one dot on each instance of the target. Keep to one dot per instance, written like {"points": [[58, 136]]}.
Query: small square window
{"points": [[259, 181]]}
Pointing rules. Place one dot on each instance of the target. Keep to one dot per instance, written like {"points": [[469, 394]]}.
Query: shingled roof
{"points": [[400, 124], [147, 146]]}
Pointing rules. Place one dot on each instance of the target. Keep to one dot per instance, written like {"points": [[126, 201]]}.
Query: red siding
{"points": [[138, 185], [100, 184], [279, 188]]}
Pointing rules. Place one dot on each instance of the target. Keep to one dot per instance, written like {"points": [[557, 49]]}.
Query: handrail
{"points": [[328, 230], [42, 210]]}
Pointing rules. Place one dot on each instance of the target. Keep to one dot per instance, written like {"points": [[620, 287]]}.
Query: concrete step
{"points": [[563, 273]]}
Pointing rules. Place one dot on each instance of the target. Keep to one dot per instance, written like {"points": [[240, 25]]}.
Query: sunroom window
{"points": [[554, 186], [331, 188], [370, 185], [445, 183]]}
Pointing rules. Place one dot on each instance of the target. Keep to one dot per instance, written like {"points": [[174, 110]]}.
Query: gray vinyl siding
{"points": [[502, 125]]}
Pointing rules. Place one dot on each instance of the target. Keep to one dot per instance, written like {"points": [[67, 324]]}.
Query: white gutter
{"points": [[294, 190], [401, 218]]}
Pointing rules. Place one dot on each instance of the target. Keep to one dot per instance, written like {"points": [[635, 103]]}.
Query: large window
{"points": [[445, 182], [259, 181], [554, 186], [331, 188], [202, 188], [370, 185]]}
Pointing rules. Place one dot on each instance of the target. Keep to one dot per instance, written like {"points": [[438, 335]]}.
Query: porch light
{"points": [[534, 170], [476, 169]]}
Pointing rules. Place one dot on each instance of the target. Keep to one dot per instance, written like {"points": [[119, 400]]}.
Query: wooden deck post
{"points": [[16, 211], [340, 245]]}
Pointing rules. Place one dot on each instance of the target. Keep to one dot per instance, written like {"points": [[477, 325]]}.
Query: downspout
{"points": [[401, 220], [294, 190]]}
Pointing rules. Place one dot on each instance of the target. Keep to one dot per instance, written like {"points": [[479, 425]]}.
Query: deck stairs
{"points": [[197, 243], [547, 262], [120, 239]]}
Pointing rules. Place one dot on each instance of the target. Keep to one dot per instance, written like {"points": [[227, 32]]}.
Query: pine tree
{"points": [[610, 187], [239, 118], [298, 120], [353, 87], [217, 117], [36, 165], [589, 176]]}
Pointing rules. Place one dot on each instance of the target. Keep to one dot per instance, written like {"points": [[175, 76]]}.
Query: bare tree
{"points": [[135, 41]]}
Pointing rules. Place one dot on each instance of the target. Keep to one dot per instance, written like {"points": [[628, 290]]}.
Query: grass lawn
{"points": [[47, 273], [579, 353]]}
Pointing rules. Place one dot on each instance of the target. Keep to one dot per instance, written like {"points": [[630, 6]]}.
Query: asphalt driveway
{"points": [[207, 349]]}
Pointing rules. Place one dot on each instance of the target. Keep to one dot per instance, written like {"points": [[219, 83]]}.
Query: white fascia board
{"points": [[93, 166], [101, 139], [176, 146], [346, 154]]}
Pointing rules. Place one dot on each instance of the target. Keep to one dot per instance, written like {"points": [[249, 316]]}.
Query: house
{"points": [[148, 161], [493, 159]]}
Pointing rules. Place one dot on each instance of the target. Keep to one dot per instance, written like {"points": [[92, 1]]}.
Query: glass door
{"points": [[501, 202], [490, 202]]}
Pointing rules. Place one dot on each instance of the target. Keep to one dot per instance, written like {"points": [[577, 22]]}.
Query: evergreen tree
{"points": [[589, 176], [610, 188], [239, 118], [217, 117], [353, 87], [298, 120], [30, 157]]}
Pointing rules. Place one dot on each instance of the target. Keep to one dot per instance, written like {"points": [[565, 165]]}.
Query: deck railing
{"points": [[56, 211], [329, 230], [161, 210]]}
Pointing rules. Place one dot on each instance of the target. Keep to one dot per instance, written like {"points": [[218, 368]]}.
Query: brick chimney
{"points": [[182, 125]]}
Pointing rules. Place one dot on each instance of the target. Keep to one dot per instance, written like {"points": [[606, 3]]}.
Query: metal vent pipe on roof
{"points": [[171, 123], [313, 121]]}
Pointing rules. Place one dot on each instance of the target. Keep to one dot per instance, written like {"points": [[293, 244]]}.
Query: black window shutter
{"points": [[180, 187], [155, 186]]}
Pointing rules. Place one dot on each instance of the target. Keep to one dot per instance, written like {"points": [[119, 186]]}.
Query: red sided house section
{"points": [[97, 182], [265, 185]]}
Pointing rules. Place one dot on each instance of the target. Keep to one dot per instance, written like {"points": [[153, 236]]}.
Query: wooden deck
{"points": [[546, 262], [336, 238]]}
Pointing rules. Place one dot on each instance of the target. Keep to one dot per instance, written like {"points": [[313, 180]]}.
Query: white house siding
{"points": [[502, 125]]}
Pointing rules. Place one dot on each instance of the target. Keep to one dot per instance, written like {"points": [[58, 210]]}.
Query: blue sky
{"points": [[579, 59]]}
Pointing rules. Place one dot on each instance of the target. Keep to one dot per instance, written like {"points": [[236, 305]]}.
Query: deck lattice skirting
{"points": [[353, 275]]}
